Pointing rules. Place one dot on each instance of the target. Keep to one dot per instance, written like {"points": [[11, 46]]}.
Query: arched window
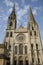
{"points": [[7, 34], [38, 61], [10, 23], [36, 46], [26, 62], [35, 33], [25, 49], [32, 60], [15, 49], [8, 62], [20, 49], [20, 62], [30, 33], [10, 34], [31, 46], [32, 28]]}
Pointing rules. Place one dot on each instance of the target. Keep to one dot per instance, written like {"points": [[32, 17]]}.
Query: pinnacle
{"points": [[31, 17], [13, 10]]}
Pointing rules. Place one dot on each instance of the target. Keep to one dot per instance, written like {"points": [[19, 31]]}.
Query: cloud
{"points": [[23, 1], [22, 12], [10, 10], [1, 9], [36, 10], [3, 17], [17, 6], [0, 16], [34, 0], [8, 3]]}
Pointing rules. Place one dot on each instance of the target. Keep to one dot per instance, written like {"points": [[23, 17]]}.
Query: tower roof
{"points": [[31, 17], [13, 14], [13, 10]]}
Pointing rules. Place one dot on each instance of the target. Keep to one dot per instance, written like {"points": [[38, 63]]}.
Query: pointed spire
{"points": [[13, 10], [13, 14], [12, 18], [31, 17]]}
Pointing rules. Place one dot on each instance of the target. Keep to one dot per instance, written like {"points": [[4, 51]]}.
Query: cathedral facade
{"points": [[21, 46]]}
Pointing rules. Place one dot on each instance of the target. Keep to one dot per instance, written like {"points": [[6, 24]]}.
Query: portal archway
{"points": [[20, 62], [15, 61], [26, 61]]}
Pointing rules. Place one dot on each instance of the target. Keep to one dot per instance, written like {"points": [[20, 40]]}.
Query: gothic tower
{"points": [[9, 38], [12, 20], [35, 40]]}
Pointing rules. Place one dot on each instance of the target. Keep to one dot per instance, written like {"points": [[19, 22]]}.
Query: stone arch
{"points": [[25, 49], [26, 61], [20, 48], [26, 58], [15, 61], [20, 58], [20, 62], [10, 24], [15, 49], [15, 58]]}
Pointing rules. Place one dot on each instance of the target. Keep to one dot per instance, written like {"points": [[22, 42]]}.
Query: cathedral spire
{"points": [[13, 10], [31, 17], [12, 19]]}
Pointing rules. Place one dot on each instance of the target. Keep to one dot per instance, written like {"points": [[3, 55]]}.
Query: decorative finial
{"points": [[31, 17], [13, 10], [30, 9], [14, 7]]}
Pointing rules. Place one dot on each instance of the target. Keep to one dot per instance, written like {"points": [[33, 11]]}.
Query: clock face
{"points": [[20, 37]]}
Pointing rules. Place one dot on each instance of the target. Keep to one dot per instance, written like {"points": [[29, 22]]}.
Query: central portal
{"points": [[20, 62], [15, 62]]}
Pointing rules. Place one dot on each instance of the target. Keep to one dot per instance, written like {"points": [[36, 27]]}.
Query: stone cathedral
{"points": [[21, 46]]}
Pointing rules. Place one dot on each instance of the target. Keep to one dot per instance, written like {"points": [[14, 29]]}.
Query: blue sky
{"points": [[22, 13]]}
